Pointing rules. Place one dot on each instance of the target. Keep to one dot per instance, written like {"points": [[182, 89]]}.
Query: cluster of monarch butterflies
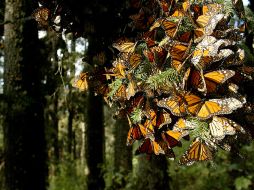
{"points": [[179, 78], [55, 15]]}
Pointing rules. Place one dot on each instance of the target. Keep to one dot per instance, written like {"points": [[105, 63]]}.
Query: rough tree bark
{"points": [[24, 139]]}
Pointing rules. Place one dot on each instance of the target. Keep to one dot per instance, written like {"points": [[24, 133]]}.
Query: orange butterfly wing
{"points": [[175, 104], [198, 151]]}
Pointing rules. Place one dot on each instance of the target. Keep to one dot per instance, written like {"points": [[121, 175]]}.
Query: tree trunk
{"points": [[24, 139], [249, 35], [152, 173], [70, 131], [95, 142], [122, 153], [55, 128]]}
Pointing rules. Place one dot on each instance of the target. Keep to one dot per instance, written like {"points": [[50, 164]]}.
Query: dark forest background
{"points": [[55, 137]]}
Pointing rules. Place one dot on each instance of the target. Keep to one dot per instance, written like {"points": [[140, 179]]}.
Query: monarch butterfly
{"points": [[124, 45], [81, 82], [118, 69], [169, 153], [196, 9], [120, 93], [170, 27], [182, 125], [100, 88], [213, 23], [207, 24], [221, 126], [205, 52], [203, 20], [42, 16], [175, 104], [163, 118], [156, 55], [158, 119], [156, 24], [149, 146], [150, 42], [131, 89], [166, 5], [227, 143], [136, 101], [233, 34], [135, 132], [142, 20], [179, 51], [172, 138], [151, 116], [198, 151], [212, 9], [237, 58], [178, 13], [185, 37], [204, 109], [208, 83], [149, 55], [176, 64], [160, 55], [198, 34]]}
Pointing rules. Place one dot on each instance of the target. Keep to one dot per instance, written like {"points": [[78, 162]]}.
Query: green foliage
{"points": [[70, 176], [242, 183], [229, 9], [186, 25], [201, 128], [249, 17], [136, 115], [114, 86], [163, 79], [228, 171]]}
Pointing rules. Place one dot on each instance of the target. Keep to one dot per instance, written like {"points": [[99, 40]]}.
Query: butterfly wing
{"points": [[221, 126], [198, 151], [214, 78], [163, 118], [175, 104], [124, 46], [169, 27], [149, 146], [134, 60], [81, 82], [178, 51], [172, 138], [134, 133]]}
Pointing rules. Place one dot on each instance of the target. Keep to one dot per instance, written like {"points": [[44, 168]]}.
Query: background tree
{"points": [[24, 140], [122, 154]]}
